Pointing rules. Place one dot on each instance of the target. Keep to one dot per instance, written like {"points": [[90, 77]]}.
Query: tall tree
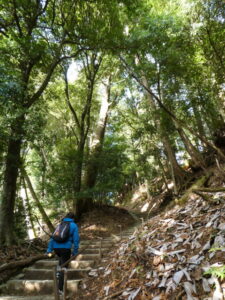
{"points": [[82, 120], [38, 34], [34, 51], [96, 144]]}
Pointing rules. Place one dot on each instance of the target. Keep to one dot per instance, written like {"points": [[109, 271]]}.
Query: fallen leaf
{"points": [[178, 276], [205, 285], [189, 289], [106, 289], [133, 295]]}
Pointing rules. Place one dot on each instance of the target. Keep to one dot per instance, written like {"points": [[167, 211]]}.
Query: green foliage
{"points": [[218, 272], [209, 16], [113, 170], [176, 46], [20, 225], [214, 249]]}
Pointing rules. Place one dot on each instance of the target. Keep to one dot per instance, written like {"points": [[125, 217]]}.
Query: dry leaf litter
{"points": [[167, 257]]}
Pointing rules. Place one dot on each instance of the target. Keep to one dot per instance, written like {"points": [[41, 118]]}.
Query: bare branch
{"points": [[68, 100], [17, 18], [48, 77]]}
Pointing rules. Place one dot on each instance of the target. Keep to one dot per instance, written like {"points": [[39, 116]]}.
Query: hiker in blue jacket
{"points": [[63, 249]]}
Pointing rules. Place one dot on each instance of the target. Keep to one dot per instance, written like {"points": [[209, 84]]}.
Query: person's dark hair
{"points": [[70, 215]]}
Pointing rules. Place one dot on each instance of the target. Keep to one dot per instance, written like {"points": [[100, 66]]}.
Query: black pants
{"points": [[64, 255]]}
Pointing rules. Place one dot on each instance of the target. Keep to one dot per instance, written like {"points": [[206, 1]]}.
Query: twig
{"points": [[42, 226], [178, 297], [114, 295], [204, 196], [210, 190]]}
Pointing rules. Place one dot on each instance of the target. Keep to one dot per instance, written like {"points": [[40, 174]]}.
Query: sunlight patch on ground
{"points": [[141, 190], [95, 227], [32, 286]]}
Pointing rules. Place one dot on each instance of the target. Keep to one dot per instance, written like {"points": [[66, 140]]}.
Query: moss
{"points": [[199, 183]]}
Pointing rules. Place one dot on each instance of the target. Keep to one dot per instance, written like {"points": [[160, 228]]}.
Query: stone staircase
{"points": [[36, 281]]}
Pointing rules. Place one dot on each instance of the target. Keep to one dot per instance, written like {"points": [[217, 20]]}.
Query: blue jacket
{"points": [[73, 240]]}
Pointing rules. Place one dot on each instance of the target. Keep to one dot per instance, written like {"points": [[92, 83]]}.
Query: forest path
{"points": [[36, 281]]}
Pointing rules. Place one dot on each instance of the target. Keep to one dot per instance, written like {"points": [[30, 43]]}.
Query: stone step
{"points": [[94, 251], [88, 257], [126, 236], [42, 297], [32, 273], [110, 239], [74, 264], [34, 287], [35, 283], [81, 264], [128, 233], [97, 244], [106, 243]]}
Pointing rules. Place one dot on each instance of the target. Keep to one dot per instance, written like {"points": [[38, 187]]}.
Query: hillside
{"points": [[176, 254], [112, 116]]}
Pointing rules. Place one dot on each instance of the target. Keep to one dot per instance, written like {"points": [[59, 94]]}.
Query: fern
{"points": [[218, 272]]}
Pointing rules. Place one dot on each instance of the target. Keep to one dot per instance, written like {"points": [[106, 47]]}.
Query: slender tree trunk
{"points": [[177, 173], [28, 209], [9, 185], [77, 201], [97, 143], [172, 115], [198, 119], [163, 172], [192, 151], [36, 200]]}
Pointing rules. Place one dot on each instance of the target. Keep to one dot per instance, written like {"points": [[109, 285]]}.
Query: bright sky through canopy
{"points": [[73, 72]]}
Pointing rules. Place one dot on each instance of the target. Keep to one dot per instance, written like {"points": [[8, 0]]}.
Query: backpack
{"points": [[62, 232]]}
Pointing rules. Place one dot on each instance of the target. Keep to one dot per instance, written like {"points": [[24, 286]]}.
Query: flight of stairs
{"points": [[36, 282]]}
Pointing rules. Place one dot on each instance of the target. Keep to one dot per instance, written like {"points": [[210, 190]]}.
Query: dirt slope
{"points": [[178, 254]]}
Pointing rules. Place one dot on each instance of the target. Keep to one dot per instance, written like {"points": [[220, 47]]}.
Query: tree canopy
{"points": [[97, 97]]}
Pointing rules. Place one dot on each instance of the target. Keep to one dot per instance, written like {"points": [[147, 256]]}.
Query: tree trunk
{"points": [[198, 119], [28, 210], [92, 67], [163, 172], [96, 146], [37, 202], [9, 184], [192, 151], [178, 174], [195, 187], [77, 201], [173, 116], [22, 263]]}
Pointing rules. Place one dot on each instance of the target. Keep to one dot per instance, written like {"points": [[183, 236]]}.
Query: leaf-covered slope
{"points": [[177, 254]]}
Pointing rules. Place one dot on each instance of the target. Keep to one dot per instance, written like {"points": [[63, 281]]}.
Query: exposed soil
{"points": [[104, 221]]}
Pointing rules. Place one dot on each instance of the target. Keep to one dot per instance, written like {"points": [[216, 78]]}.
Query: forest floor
{"points": [[176, 254]]}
